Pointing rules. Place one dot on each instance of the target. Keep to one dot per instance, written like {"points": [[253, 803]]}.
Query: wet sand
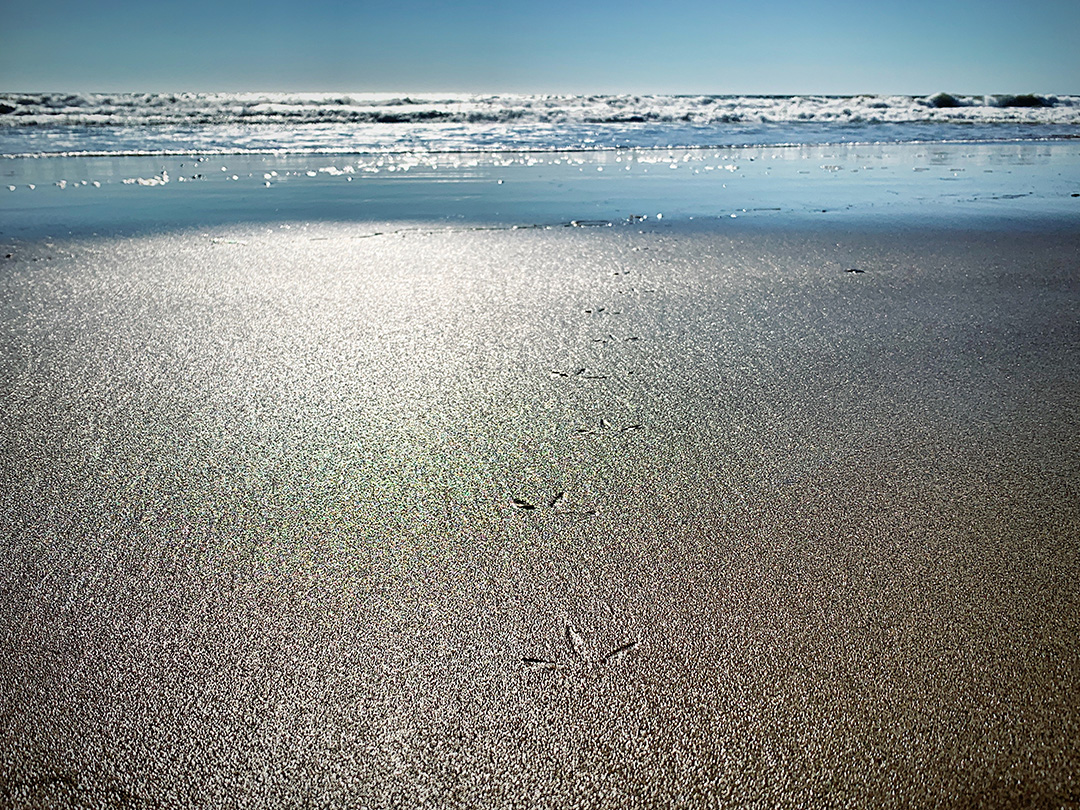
{"points": [[576, 517]]}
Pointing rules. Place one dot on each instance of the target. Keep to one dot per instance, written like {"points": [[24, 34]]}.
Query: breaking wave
{"points": [[136, 109], [156, 123]]}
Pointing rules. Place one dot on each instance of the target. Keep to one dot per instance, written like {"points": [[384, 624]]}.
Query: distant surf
{"points": [[103, 124]]}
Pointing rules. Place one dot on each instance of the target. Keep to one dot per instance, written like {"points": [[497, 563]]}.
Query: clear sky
{"points": [[587, 46]]}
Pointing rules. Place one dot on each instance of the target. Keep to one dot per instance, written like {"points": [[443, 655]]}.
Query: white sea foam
{"points": [[334, 123], [308, 108]]}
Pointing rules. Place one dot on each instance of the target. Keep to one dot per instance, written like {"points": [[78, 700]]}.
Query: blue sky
{"points": [[682, 46]]}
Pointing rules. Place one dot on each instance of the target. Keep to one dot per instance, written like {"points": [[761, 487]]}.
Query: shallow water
{"points": [[920, 182]]}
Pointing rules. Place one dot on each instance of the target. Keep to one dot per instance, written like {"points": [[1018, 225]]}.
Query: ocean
{"points": [[47, 124], [81, 163]]}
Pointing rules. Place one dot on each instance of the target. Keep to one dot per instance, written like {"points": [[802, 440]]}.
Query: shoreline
{"points": [[536, 150], [904, 184]]}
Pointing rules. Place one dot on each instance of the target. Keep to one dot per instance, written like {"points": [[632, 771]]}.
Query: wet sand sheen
{"points": [[579, 517]]}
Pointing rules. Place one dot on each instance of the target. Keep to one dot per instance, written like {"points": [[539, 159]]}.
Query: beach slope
{"points": [[344, 515]]}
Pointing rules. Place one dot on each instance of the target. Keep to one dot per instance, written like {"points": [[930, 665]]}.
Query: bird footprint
{"points": [[606, 426], [554, 503], [551, 503], [578, 372], [577, 648]]}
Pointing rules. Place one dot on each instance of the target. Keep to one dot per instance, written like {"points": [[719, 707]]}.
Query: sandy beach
{"points": [[331, 515]]}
